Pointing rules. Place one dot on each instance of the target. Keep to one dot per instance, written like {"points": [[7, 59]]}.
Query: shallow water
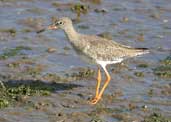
{"points": [[144, 23]]}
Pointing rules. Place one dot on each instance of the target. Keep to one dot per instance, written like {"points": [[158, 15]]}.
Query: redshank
{"points": [[100, 50]]}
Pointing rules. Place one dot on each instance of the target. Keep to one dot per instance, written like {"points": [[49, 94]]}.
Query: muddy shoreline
{"points": [[46, 81]]}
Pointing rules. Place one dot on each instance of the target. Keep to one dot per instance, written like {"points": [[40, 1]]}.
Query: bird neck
{"points": [[71, 33]]}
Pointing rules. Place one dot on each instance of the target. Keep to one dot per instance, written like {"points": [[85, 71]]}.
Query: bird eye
{"points": [[59, 23]]}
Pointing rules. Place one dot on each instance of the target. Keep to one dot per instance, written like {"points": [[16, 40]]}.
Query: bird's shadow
{"points": [[40, 85]]}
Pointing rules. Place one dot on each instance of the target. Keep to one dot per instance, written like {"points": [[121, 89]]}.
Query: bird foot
{"points": [[94, 100]]}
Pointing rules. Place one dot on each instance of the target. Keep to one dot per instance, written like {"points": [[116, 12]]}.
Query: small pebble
{"points": [[140, 37], [103, 10], [51, 50], [144, 106], [125, 19]]}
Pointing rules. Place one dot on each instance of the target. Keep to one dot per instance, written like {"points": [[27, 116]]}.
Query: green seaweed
{"points": [[150, 92], [83, 26], [55, 4], [96, 120], [27, 90], [79, 9], [52, 77], [34, 70], [83, 73], [8, 0], [139, 74], [79, 74], [93, 1], [26, 30], [12, 31], [166, 61], [156, 117], [106, 35], [164, 69], [4, 103], [17, 92], [67, 48], [13, 52], [62, 5], [100, 10], [36, 10], [142, 65]]}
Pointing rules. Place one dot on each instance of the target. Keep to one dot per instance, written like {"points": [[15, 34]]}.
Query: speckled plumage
{"points": [[107, 50], [98, 49]]}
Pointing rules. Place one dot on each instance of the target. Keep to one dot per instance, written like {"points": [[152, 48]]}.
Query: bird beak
{"points": [[52, 27]]}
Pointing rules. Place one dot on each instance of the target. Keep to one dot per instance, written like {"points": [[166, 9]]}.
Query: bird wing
{"points": [[104, 49], [101, 48]]}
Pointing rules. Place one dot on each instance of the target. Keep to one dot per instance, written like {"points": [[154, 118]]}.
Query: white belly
{"points": [[104, 63]]}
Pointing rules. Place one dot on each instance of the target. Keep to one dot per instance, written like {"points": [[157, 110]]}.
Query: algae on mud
{"points": [[126, 22], [79, 9], [93, 1], [106, 35], [139, 74], [4, 103], [96, 120], [71, 75], [164, 68], [23, 61], [143, 65], [83, 73], [12, 31], [156, 117], [16, 92], [10, 52]]}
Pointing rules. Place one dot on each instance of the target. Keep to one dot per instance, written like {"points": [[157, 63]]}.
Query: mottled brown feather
{"points": [[98, 48]]}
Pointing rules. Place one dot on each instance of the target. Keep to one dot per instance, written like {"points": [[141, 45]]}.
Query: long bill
{"points": [[52, 27]]}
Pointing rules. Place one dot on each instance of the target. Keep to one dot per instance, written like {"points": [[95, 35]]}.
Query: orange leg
{"points": [[98, 82], [97, 86], [108, 78]]}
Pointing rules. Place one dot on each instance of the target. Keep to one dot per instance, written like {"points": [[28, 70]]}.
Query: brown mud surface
{"points": [[46, 81]]}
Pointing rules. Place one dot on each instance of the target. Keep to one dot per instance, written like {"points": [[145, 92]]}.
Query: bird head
{"points": [[61, 23]]}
